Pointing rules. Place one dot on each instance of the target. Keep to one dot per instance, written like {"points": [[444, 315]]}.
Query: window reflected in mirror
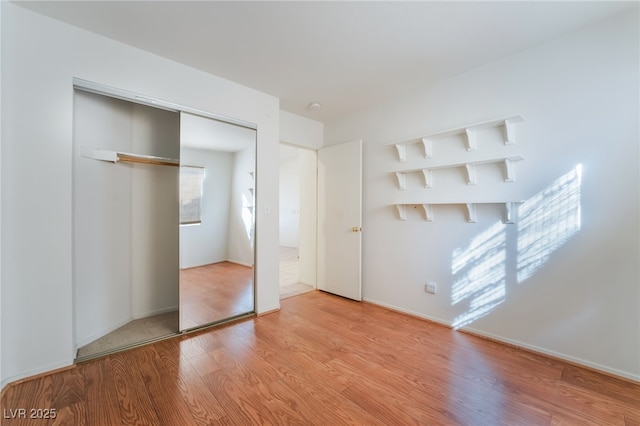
{"points": [[191, 182]]}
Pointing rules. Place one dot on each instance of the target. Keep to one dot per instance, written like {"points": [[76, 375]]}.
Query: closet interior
{"points": [[163, 221]]}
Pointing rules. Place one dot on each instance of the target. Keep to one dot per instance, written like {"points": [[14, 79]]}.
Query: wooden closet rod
{"points": [[115, 156], [148, 159]]}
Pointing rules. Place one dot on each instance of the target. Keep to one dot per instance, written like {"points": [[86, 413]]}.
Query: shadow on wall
{"points": [[546, 221]]}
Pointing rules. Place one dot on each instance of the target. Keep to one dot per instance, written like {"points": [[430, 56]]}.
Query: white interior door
{"points": [[340, 219]]}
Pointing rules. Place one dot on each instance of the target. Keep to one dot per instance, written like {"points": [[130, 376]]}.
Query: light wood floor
{"points": [[325, 360], [214, 292]]}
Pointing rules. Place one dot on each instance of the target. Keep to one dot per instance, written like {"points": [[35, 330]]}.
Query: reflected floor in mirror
{"points": [[290, 273], [133, 333], [214, 292]]}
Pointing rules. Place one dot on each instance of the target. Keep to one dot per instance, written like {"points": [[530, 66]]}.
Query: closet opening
{"points": [[137, 271]]}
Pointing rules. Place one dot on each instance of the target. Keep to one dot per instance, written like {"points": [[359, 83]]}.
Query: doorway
{"points": [[298, 220]]}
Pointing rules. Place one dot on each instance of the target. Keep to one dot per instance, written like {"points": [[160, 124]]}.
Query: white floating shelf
{"points": [[470, 167], [116, 156], [470, 132], [509, 206]]}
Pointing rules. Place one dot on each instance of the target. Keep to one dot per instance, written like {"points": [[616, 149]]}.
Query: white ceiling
{"points": [[345, 55]]}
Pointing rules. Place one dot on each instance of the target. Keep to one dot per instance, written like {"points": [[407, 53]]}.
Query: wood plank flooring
{"points": [[214, 292], [324, 360]]}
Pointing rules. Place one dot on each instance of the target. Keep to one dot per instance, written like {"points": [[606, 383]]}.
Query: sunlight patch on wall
{"points": [[482, 274], [247, 216], [548, 220]]}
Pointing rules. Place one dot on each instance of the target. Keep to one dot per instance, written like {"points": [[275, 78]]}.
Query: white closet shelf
{"points": [[470, 166], [509, 209], [469, 131], [117, 156]]}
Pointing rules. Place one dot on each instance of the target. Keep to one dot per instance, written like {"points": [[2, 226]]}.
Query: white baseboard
{"points": [[268, 310], [516, 343], [248, 265], [553, 354], [408, 312], [35, 372]]}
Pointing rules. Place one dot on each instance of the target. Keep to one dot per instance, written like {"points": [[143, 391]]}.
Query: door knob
{"points": [[356, 229]]}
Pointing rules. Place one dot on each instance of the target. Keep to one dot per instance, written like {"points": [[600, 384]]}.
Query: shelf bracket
{"points": [[428, 212], [402, 152], [428, 178], [402, 211], [472, 177], [472, 142], [510, 130], [471, 210], [510, 164], [99, 154], [402, 180], [509, 213], [428, 147]]}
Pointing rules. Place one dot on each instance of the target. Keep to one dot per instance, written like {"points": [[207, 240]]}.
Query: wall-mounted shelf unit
{"points": [[470, 132], [116, 156], [470, 167], [509, 209]]}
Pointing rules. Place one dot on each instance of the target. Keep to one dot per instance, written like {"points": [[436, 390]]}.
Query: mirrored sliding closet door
{"points": [[163, 220], [217, 193]]}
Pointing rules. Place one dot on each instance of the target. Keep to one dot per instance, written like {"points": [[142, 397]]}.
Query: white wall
{"points": [[289, 197], [2, 50], [155, 238], [307, 250], [40, 57], [241, 208], [579, 98], [301, 131], [207, 242], [102, 198]]}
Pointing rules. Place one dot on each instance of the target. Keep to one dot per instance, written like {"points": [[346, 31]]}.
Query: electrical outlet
{"points": [[431, 288]]}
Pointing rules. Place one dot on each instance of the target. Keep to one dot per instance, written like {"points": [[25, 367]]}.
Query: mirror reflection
{"points": [[139, 171], [217, 194]]}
